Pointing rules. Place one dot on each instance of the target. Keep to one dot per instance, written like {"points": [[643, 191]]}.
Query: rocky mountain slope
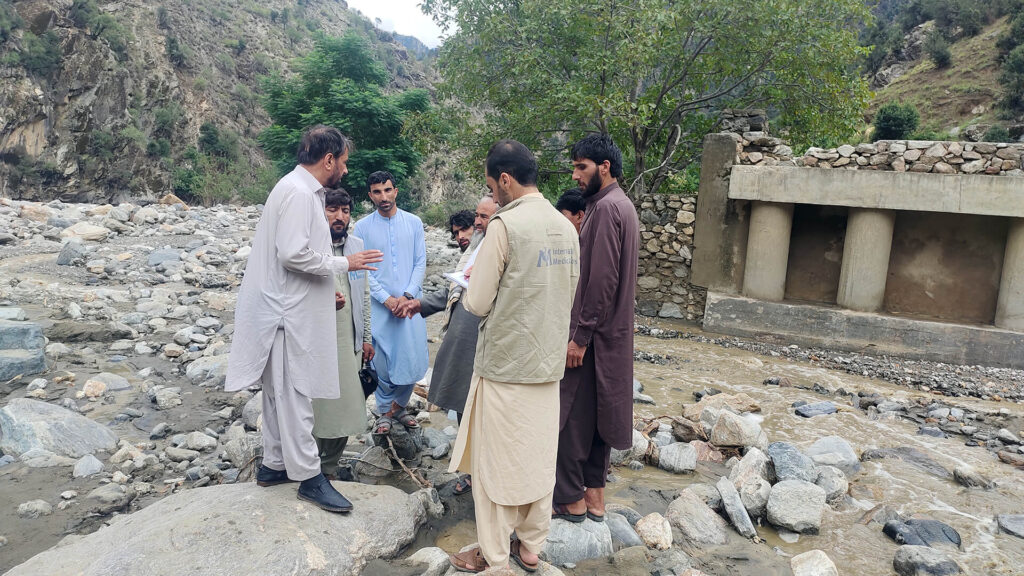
{"points": [[101, 101]]}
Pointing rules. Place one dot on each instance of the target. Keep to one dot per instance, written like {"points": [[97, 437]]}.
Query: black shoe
{"points": [[270, 477], [319, 491]]}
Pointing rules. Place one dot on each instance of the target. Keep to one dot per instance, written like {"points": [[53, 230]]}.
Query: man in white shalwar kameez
{"points": [[285, 335]]}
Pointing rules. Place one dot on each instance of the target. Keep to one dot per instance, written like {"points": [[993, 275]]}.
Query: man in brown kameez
{"points": [[597, 390], [521, 286]]}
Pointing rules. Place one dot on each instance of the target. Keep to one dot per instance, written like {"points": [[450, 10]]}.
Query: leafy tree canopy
{"points": [[341, 83], [652, 73]]}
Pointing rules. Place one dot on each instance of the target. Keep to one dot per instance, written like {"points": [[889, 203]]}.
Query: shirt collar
{"points": [[308, 179]]}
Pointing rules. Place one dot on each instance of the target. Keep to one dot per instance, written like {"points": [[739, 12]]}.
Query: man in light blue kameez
{"points": [[400, 340]]}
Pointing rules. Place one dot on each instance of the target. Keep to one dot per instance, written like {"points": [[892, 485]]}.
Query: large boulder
{"points": [[737, 403], [569, 543], [241, 529], [923, 561], [30, 425], [813, 563], [734, 430], [698, 523], [835, 451], [790, 463], [678, 457], [734, 508], [796, 505], [21, 349], [1011, 524], [922, 532], [86, 231], [210, 370]]}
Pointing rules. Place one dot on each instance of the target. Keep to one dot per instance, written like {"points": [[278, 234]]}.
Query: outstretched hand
{"points": [[362, 260]]}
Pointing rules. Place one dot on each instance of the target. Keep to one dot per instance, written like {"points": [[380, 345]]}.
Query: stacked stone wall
{"points": [[666, 252]]}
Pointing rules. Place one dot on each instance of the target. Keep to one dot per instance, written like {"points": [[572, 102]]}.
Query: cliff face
{"points": [[124, 86]]}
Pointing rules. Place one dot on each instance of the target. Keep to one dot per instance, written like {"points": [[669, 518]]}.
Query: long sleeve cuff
{"points": [[338, 264], [582, 336], [380, 295]]}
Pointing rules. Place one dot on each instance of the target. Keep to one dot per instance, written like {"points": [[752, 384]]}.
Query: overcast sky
{"points": [[402, 16]]}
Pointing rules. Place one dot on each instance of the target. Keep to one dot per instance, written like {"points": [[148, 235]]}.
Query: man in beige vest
{"points": [[522, 286]]}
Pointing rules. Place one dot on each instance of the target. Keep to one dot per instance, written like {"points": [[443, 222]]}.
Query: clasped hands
{"points": [[403, 307]]}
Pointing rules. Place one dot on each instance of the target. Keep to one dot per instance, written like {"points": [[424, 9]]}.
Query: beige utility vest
{"points": [[524, 338]]}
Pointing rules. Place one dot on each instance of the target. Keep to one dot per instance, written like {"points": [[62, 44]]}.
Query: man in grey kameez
{"points": [[335, 420], [285, 335]]}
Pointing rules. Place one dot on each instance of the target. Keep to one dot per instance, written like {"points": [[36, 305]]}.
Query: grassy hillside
{"points": [[963, 93]]}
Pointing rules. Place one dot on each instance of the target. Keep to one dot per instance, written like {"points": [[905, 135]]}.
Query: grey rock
{"points": [[971, 478], [1007, 437], [20, 335], [835, 451], [734, 508], [72, 254], [180, 454], [923, 561], [34, 509], [111, 496], [435, 560], [1011, 524], [640, 444], [708, 494], [755, 464], [816, 409], [33, 425], [87, 466], [678, 458], [698, 523], [796, 505], [159, 431], [631, 516], [571, 543], [373, 464], [113, 382], [790, 463], [304, 538], [911, 456], [7, 459], [754, 496], [922, 532], [15, 363], [252, 410], [210, 370], [163, 255], [10, 313], [734, 430], [622, 532], [200, 442], [813, 563], [833, 482]]}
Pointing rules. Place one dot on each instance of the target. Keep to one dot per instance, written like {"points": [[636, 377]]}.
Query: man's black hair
{"points": [[598, 148], [514, 159], [380, 177], [338, 197], [571, 200], [319, 141], [461, 220]]}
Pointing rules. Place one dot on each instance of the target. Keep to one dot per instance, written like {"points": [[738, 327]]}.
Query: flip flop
{"points": [[561, 512], [514, 552], [595, 517], [383, 425], [469, 561], [405, 419], [463, 485]]}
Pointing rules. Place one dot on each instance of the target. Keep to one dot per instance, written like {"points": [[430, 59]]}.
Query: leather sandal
{"points": [[515, 553], [405, 419], [469, 561], [561, 512], [464, 485]]}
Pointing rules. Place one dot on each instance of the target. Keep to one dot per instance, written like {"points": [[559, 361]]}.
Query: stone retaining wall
{"points": [[666, 244], [993, 159]]}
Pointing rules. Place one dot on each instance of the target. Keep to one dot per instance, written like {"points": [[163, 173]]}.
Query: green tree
{"points": [[341, 83], [1012, 79], [895, 121], [938, 49], [9, 21], [652, 73]]}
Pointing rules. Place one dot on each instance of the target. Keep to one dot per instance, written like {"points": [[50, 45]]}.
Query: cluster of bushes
{"points": [[85, 14], [214, 171], [896, 121], [1011, 51]]}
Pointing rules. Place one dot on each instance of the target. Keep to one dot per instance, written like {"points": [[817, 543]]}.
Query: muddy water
{"points": [[856, 548]]}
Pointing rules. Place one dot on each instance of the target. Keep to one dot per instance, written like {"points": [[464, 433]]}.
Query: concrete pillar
{"points": [[1010, 306], [865, 259], [764, 276]]}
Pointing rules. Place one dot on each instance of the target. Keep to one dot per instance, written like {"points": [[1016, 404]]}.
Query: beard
{"points": [[338, 236], [592, 187]]}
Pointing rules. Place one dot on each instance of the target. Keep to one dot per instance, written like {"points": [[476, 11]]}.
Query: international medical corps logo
{"points": [[555, 257]]}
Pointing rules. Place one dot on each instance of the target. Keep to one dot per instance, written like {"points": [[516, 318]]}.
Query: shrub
{"points": [[85, 14], [165, 119], [1012, 79], [895, 121], [996, 134], [101, 144], [938, 49], [163, 18], [134, 135], [9, 21], [41, 55], [178, 53], [220, 143], [161, 148]]}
